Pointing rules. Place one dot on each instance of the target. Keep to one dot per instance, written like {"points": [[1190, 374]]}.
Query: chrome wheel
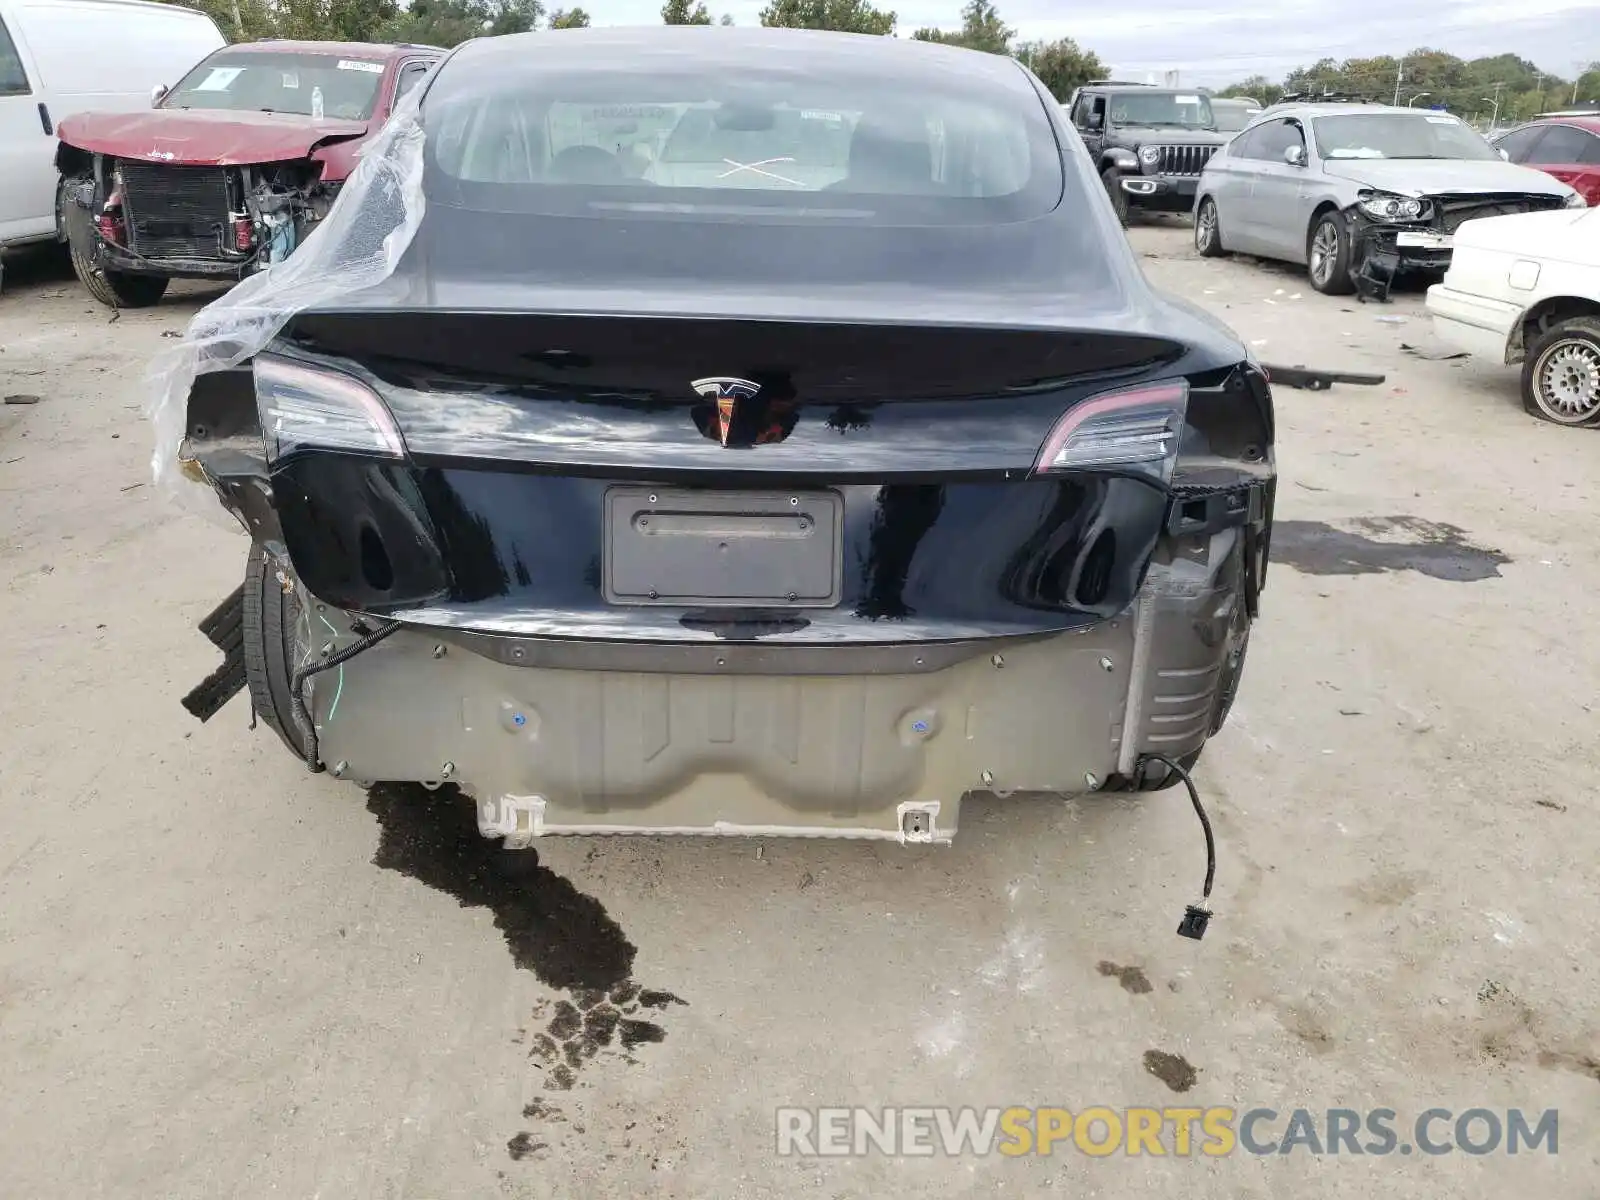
{"points": [[1566, 382], [1324, 253], [1205, 227]]}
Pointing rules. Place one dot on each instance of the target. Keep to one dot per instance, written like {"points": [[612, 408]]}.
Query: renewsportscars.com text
{"points": [[1168, 1131]]}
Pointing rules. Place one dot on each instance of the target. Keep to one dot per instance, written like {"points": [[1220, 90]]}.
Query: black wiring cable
{"points": [[1205, 821], [302, 715]]}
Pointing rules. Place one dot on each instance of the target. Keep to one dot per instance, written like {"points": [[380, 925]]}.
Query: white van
{"points": [[59, 57]]}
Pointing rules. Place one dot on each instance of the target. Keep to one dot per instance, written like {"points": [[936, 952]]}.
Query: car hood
{"points": [[1567, 235], [203, 138], [1438, 177]]}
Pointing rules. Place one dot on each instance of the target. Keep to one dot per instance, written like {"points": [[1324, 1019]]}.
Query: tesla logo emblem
{"points": [[168, 155], [725, 392]]}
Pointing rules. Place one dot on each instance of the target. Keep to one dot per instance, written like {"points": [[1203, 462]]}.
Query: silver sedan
{"points": [[1358, 191]]}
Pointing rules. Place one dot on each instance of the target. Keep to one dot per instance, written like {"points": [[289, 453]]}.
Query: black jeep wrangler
{"points": [[1150, 142]]}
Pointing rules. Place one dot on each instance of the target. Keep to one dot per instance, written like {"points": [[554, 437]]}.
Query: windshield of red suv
{"points": [[307, 85]]}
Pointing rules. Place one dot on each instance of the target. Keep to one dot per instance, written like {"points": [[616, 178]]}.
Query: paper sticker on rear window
{"points": [[818, 114], [219, 80], [1443, 121], [291, 80], [355, 64], [1188, 99]]}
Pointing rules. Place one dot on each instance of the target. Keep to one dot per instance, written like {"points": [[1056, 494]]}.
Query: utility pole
{"points": [[1494, 120], [1399, 78]]}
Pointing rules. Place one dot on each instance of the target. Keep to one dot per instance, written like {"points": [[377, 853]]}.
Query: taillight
{"points": [[1139, 430], [304, 407]]}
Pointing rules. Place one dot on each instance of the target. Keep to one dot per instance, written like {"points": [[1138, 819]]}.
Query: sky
{"points": [[1211, 42]]}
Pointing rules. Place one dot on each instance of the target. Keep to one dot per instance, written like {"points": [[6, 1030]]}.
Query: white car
{"points": [[1526, 289], [60, 57]]}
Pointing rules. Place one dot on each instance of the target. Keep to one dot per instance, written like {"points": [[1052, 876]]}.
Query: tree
{"points": [[1466, 87], [569, 18], [333, 20], [727, 19], [448, 22], [1061, 65], [849, 16], [678, 12], [1257, 87], [1587, 86], [981, 29], [239, 20]]}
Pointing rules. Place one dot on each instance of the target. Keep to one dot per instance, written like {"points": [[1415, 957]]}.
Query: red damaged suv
{"points": [[230, 169]]}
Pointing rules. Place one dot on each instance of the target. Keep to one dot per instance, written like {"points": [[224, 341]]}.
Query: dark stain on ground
{"points": [[652, 998], [563, 936], [523, 1146], [540, 1109], [1172, 1069], [1583, 1064], [635, 1032], [551, 928], [1374, 545], [1132, 979]]}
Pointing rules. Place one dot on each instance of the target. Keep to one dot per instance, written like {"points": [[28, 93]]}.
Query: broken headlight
{"points": [[306, 407], [1381, 207]]}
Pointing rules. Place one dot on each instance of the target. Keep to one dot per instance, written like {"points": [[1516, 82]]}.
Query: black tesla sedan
{"points": [[729, 431]]}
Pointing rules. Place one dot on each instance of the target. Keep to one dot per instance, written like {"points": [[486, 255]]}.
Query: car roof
{"points": [[383, 50], [1592, 124], [1303, 108], [797, 50]]}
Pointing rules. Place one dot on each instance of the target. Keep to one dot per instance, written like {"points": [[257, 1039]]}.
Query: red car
{"points": [[230, 169], [1566, 147]]}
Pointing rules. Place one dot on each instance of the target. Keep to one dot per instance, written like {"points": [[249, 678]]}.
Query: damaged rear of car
{"points": [[231, 169], [792, 498]]}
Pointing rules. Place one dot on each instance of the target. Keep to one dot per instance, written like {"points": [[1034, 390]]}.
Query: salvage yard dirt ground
{"points": [[223, 977]]}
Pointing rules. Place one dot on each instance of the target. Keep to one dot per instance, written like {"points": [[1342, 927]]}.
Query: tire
{"points": [[1119, 198], [1328, 256], [271, 616], [1561, 373], [114, 289], [1207, 232]]}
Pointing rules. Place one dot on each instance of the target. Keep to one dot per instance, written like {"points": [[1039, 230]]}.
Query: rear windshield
{"points": [[704, 136], [307, 85], [1231, 118], [1398, 135]]}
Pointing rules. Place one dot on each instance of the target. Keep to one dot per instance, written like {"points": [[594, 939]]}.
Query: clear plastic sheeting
{"points": [[356, 246]]}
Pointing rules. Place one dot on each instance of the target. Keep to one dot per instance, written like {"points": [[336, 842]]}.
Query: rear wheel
{"points": [[1328, 256], [1119, 198], [272, 612], [1561, 374], [1207, 234], [114, 289]]}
